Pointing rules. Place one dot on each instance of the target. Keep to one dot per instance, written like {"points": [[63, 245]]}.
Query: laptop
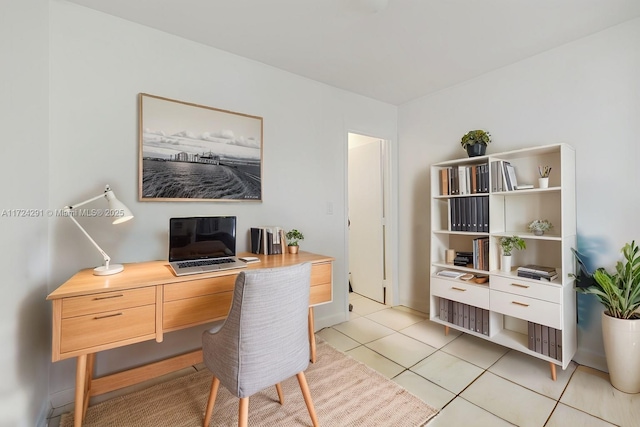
{"points": [[203, 244]]}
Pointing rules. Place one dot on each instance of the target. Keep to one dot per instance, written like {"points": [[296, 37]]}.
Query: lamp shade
{"points": [[115, 205]]}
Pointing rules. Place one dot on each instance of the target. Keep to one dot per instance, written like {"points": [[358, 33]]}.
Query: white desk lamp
{"points": [[119, 211]]}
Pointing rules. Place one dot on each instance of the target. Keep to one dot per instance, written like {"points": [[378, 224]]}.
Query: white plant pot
{"points": [[622, 348], [505, 264]]}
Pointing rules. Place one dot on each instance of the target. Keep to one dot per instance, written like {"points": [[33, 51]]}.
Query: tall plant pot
{"points": [[622, 348], [505, 263]]}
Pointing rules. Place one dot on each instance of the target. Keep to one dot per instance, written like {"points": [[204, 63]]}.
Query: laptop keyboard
{"points": [[204, 262]]}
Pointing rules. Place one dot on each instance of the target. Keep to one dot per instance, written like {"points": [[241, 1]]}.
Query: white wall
{"points": [[24, 314], [98, 66], [586, 94]]}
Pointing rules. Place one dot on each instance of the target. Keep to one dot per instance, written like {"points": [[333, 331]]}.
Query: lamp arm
{"points": [[88, 201], [106, 257]]}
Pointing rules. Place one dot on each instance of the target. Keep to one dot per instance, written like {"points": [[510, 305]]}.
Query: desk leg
{"points": [[312, 336], [91, 359], [81, 374]]}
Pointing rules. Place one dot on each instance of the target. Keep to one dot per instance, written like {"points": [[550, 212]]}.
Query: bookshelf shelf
{"points": [[514, 304]]}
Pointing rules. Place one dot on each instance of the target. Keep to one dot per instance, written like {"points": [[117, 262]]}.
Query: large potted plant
{"points": [[509, 244], [619, 292], [475, 142]]}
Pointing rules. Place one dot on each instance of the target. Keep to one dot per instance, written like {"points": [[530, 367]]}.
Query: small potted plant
{"points": [[508, 244], [619, 293], [475, 142], [539, 226], [293, 237]]}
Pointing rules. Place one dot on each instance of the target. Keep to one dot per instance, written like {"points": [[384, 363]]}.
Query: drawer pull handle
{"points": [[458, 289], [107, 315], [108, 297], [520, 303], [518, 285]]}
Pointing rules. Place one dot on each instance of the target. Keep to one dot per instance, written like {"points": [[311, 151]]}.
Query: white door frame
{"points": [[390, 174]]}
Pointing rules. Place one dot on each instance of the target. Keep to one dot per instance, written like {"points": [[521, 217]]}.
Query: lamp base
{"points": [[105, 271]]}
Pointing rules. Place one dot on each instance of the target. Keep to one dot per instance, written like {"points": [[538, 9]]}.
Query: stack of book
{"points": [[267, 240], [475, 319], [461, 180], [545, 340], [469, 214], [538, 272]]}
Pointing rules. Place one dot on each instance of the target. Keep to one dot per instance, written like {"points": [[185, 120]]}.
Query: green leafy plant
{"points": [[475, 137], [509, 243], [619, 292], [540, 225], [293, 237]]}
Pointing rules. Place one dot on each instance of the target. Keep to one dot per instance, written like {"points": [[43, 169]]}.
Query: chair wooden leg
{"points": [[312, 337], [243, 412], [302, 380], [280, 393], [215, 383]]}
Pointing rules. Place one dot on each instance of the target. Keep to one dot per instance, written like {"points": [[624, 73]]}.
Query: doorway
{"points": [[367, 181]]}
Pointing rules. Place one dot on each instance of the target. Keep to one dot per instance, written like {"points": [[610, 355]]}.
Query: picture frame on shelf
{"points": [[191, 152]]}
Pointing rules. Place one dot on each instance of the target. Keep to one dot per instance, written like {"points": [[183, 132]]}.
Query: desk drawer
{"points": [[455, 290], [196, 288], [540, 290], [107, 327], [320, 294], [321, 274], [107, 301], [196, 310], [531, 309]]}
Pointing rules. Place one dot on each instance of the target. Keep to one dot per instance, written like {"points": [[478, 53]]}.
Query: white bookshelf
{"points": [[511, 302]]}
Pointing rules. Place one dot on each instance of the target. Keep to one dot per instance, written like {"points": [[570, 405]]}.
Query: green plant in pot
{"points": [[539, 226], [475, 142], [508, 245], [293, 237], [619, 292]]}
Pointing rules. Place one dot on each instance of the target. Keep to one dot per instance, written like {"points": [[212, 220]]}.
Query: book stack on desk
{"points": [[538, 272]]}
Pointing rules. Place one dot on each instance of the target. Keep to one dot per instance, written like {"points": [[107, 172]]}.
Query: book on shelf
{"points": [[511, 171], [469, 214], [524, 186], [451, 274], [538, 269], [545, 340], [464, 180], [540, 277]]}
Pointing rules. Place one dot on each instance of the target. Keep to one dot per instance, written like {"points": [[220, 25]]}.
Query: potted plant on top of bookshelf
{"points": [[475, 142], [293, 237], [539, 226], [508, 244], [619, 292]]}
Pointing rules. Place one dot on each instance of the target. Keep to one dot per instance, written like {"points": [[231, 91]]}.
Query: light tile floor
{"points": [[475, 383]]}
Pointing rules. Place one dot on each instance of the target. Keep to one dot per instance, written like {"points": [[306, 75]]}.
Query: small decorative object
{"points": [[293, 237], [449, 255], [475, 142], [620, 294], [539, 226], [544, 171], [508, 244]]}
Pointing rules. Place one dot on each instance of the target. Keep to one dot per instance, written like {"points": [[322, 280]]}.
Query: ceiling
{"points": [[403, 51]]}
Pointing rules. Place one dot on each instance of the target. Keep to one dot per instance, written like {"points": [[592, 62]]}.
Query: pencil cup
{"points": [[449, 255], [543, 182]]}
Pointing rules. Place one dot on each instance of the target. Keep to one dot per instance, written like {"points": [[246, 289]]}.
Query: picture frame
{"points": [[191, 152]]}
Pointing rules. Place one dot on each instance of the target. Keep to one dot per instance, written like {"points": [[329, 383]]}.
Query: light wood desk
{"points": [[95, 313]]}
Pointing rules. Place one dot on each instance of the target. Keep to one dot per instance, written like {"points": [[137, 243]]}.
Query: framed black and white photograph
{"points": [[191, 152]]}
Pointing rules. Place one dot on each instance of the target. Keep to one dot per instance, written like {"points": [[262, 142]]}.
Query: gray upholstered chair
{"points": [[264, 340]]}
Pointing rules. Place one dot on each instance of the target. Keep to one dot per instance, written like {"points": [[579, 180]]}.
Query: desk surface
{"points": [[160, 273]]}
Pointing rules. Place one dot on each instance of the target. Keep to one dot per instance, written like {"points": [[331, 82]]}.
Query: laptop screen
{"points": [[202, 237]]}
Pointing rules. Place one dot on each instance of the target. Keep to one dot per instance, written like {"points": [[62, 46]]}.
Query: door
{"points": [[366, 217]]}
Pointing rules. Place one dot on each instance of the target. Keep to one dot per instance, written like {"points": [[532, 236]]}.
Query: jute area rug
{"points": [[345, 393]]}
